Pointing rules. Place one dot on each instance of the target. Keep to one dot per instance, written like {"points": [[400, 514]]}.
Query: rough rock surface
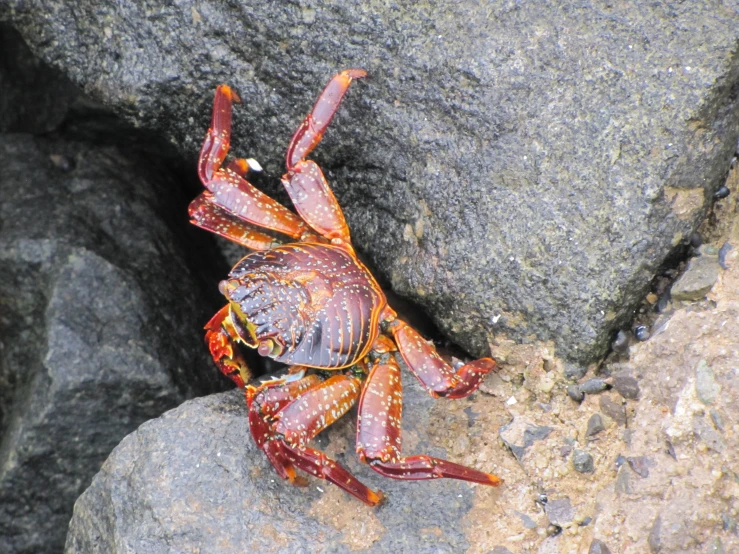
{"points": [[518, 169], [665, 479], [193, 481], [99, 323]]}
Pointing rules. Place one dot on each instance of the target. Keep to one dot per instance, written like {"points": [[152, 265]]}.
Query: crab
{"points": [[308, 301]]}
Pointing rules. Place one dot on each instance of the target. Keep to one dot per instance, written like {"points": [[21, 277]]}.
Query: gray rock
{"points": [[582, 460], [467, 163], [613, 407], [598, 547], [574, 392], [626, 384], [560, 511], [698, 279], [99, 324], [705, 383], [594, 385], [34, 98], [640, 465], [193, 481], [595, 425], [519, 434]]}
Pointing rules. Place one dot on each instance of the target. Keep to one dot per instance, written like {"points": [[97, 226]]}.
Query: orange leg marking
{"points": [[378, 434], [438, 377]]}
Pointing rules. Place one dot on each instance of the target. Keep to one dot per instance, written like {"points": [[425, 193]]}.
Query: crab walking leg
{"points": [[221, 338], [304, 180], [438, 377], [311, 130], [315, 202], [263, 402], [229, 189], [207, 215], [379, 433], [308, 415]]}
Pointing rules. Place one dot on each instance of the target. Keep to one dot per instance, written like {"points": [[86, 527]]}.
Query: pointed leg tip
{"points": [[229, 93], [355, 73]]}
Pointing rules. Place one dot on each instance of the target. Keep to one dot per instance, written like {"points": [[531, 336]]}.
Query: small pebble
{"points": [[722, 254], [722, 192], [65, 163], [718, 420], [696, 240], [583, 461], [613, 409], [585, 522], [560, 511], [598, 547], [640, 464], [641, 333], [574, 392], [626, 385], [705, 383], [528, 523], [621, 343], [593, 386], [595, 425], [671, 450]]}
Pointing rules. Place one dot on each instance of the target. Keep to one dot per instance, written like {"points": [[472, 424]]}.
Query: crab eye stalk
{"points": [[269, 347]]}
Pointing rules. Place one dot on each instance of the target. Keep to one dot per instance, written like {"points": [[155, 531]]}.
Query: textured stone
{"points": [[193, 481], [583, 461], [99, 324], [467, 162], [698, 279], [560, 511]]}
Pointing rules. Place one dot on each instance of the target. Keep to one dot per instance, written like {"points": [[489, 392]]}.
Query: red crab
{"points": [[313, 305]]}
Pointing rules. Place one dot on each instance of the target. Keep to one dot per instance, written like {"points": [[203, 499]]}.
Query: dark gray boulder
{"points": [[100, 323], [193, 481], [520, 170]]}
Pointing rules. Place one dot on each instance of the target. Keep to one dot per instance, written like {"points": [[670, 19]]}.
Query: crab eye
{"points": [[268, 347]]}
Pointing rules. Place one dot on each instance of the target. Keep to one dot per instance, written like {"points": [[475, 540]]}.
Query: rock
{"points": [[519, 434], [698, 279], [626, 385], [705, 383], [100, 324], [34, 98], [193, 480], [640, 465], [613, 408], [574, 392], [595, 425], [560, 511], [575, 371], [469, 129], [583, 461], [594, 386], [598, 547]]}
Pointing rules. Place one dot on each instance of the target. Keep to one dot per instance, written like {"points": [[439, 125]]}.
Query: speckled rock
{"points": [[698, 279], [95, 337], [193, 481], [492, 174]]}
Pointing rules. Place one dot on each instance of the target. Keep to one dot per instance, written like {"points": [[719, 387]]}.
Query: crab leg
{"points": [[207, 215], [228, 188], [304, 180], [311, 130], [309, 414], [438, 377], [379, 433]]}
